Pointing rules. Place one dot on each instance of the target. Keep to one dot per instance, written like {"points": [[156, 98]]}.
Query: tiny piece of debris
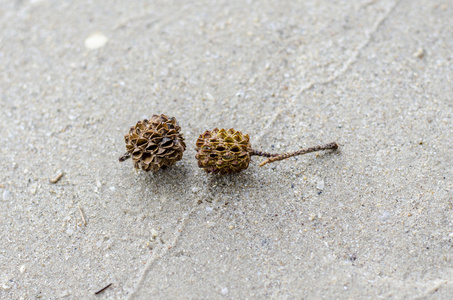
{"points": [[419, 53], [83, 217], [103, 289], [6, 195], [22, 269], [320, 185], [95, 40], [224, 291], [57, 177]]}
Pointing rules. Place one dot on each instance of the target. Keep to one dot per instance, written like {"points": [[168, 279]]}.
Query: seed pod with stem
{"points": [[229, 151]]}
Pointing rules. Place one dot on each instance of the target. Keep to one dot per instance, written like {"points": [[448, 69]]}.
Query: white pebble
{"points": [[98, 184], [385, 216], [320, 185], [70, 231], [23, 268], [154, 232], [112, 188], [224, 291], [95, 40], [6, 195], [208, 208], [210, 96], [419, 53], [34, 188]]}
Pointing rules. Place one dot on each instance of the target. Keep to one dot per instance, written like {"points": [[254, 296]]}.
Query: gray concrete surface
{"points": [[375, 76]]}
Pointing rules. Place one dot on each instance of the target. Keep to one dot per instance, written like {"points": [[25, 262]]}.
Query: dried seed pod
{"points": [[154, 144], [229, 151], [223, 151]]}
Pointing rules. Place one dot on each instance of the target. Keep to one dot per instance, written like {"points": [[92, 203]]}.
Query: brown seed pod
{"points": [[223, 151], [154, 144], [229, 151]]}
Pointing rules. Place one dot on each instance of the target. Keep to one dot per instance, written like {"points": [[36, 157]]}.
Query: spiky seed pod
{"points": [[223, 151], [229, 151], [154, 144]]}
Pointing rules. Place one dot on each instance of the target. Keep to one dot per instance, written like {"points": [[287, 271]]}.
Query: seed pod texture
{"points": [[223, 151], [154, 144]]}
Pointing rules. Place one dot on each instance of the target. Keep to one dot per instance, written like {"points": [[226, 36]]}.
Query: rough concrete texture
{"points": [[372, 220]]}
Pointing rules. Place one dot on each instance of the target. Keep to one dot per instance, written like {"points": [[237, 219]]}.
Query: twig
{"points": [[332, 145], [83, 217], [57, 177], [103, 289], [125, 156], [261, 153]]}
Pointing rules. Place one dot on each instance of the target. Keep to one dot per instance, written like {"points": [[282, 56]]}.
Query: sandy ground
{"points": [[373, 220]]}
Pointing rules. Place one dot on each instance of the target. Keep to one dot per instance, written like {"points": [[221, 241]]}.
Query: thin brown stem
{"points": [[125, 156], [262, 153], [332, 145]]}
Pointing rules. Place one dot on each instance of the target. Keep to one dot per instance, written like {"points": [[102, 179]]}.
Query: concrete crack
{"points": [[150, 263], [346, 66]]}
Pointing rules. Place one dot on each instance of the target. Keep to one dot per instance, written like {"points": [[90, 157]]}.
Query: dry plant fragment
{"points": [[229, 151], [57, 177], [154, 144], [283, 156], [223, 151]]}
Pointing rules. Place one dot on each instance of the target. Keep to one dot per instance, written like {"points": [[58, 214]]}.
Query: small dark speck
{"points": [[427, 247], [272, 146], [292, 186], [319, 193]]}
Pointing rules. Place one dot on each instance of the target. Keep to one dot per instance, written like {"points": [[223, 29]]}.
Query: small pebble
{"points": [[419, 53], [154, 233], [224, 291], [95, 40], [320, 185], [209, 96], [65, 294], [231, 227], [34, 188], [208, 208], [6, 195], [22, 269], [385, 216], [112, 188]]}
